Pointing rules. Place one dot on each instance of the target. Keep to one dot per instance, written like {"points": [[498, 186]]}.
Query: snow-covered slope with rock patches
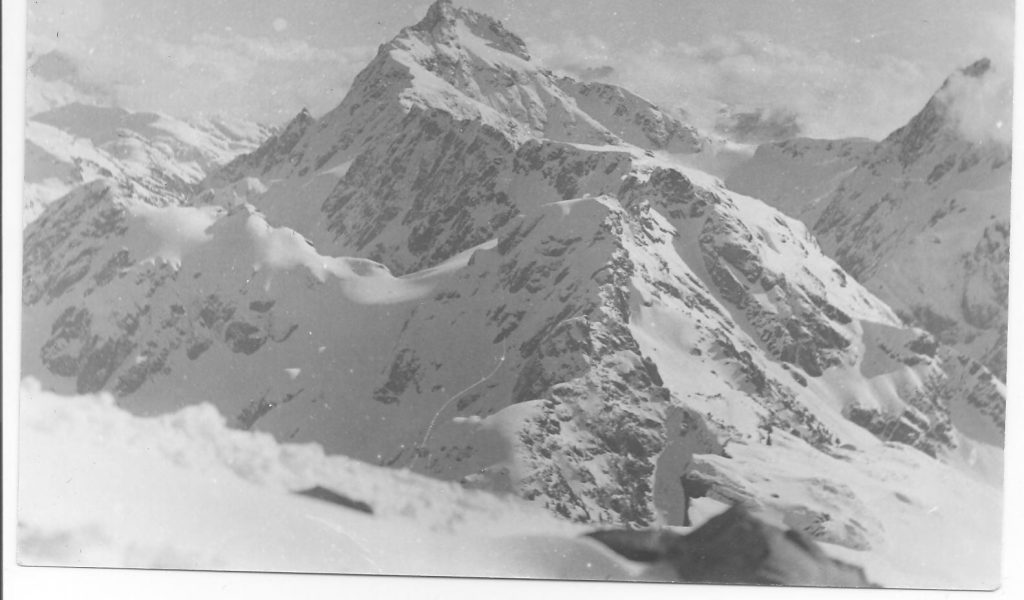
{"points": [[74, 134], [575, 319], [561, 362], [922, 218], [126, 294]]}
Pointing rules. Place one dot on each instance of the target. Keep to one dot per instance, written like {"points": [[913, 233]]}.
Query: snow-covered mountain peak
{"points": [[489, 65], [973, 106], [299, 121], [444, 20], [457, 81], [980, 100], [469, 65]]}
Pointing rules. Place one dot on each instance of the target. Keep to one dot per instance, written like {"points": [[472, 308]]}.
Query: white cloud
{"points": [[263, 78], [264, 48], [982, 105], [745, 70]]}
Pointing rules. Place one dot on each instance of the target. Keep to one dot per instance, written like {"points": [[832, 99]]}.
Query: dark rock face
{"points": [[809, 337], [244, 337], [279, 148], [254, 412], [442, 181], [401, 377], [737, 548], [441, 19], [86, 213]]}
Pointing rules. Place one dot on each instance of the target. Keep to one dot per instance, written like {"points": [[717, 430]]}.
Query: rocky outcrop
{"points": [[736, 548]]}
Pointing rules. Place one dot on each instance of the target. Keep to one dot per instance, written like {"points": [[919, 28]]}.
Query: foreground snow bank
{"points": [[100, 487]]}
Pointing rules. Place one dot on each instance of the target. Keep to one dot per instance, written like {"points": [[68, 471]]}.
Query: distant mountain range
{"points": [[75, 135]]}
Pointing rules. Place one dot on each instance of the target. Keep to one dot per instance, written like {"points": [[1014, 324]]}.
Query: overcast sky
{"points": [[844, 67]]}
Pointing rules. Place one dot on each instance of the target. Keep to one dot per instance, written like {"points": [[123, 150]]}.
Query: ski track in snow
{"points": [[347, 534], [433, 421]]}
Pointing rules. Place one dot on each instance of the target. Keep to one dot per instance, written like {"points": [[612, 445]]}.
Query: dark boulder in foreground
{"points": [[736, 548], [329, 495]]}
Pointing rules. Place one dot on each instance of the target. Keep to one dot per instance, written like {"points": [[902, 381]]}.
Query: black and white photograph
{"points": [[670, 293]]}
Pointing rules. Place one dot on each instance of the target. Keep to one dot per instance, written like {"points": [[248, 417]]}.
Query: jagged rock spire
{"points": [[295, 129], [978, 68], [442, 17], [440, 12]]}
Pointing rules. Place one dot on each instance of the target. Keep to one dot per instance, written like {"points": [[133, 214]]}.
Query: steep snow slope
{"points": [[634, 119], [183, 491], [922, 218], [579, 323]]}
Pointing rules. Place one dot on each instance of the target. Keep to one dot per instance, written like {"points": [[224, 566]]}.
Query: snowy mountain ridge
{"points": [[922, 218]]}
